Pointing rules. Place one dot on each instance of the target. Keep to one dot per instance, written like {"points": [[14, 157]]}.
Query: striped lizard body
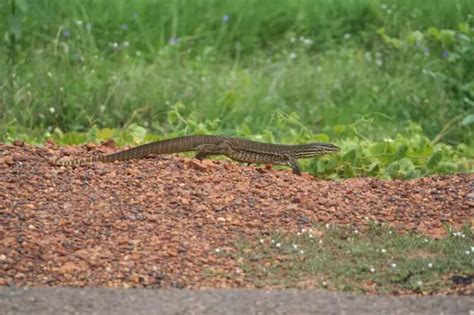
{"points": [[238, 149]]}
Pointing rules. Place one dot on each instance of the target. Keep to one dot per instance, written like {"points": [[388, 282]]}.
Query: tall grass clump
{"points": [[236, 65]]}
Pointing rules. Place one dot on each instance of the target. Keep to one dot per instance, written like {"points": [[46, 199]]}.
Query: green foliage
{"points": [[452, 50], [359, 73], [409, 154], [377, 261]]}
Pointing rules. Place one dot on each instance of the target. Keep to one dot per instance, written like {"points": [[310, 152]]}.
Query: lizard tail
{"points": [[132, 153], [183, 144], [59, 162]]}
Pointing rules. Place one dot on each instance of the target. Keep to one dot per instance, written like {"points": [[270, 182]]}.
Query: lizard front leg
{"points": [[293, 163]]}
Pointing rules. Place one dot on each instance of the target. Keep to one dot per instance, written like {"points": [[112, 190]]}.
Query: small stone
{"points": [[8, 160]]}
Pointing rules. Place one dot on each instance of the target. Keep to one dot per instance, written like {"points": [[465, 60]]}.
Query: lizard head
{"points": [[316, 148]]}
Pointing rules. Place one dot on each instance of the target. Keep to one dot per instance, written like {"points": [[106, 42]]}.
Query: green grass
{"points": [[377, 260], [358, 73]]}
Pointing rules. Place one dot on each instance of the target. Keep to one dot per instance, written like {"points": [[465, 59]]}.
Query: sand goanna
{"points": [[237, 149]]}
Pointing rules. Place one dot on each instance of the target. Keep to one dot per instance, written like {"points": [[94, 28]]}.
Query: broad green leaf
{"points": [[447, 167], [74, 138], [137, 132], [350, 155], [401, 151], [106, 134], [393, 169], [435, 159], [447, 37], [348, 171], [464, 27], [374, 168], [434, 32]]}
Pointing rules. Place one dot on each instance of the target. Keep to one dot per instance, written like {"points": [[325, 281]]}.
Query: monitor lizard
{"points": [[237, 149]]}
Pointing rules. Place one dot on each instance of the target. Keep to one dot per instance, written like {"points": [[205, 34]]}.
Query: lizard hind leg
{"points": [[208, 149]]}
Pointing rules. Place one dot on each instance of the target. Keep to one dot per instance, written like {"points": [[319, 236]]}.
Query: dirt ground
{"points": [[157, 222]]}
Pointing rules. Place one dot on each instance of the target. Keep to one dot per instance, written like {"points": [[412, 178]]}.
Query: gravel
{"points": [[157, 222]]}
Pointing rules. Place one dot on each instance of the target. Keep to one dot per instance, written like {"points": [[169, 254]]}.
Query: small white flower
{"points": [[125, 44], [261, 241], [238, 270], [308, 42], [49, 74], [430, 265], [52, 110], [368, 56], [356, 231], [298, 234], [292, 55], [327, 225], [273, 241], [310, 235], [379, 62], [79, 23], [115, 45], [295, 246], [426, 240], [320, 241], [278, 245], [217, 250], [419, 283], [467, 252], [383, 250], [394, 265], [347, 36], [303, 230], [472, 249], [302, 252], [390, 232], [372, 269], [325, 284]]}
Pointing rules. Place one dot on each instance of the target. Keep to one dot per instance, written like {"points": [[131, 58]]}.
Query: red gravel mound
{"points": [[156, 222]]}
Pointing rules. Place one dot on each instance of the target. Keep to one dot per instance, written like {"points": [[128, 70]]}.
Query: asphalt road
{"points": [[140, 301]]}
